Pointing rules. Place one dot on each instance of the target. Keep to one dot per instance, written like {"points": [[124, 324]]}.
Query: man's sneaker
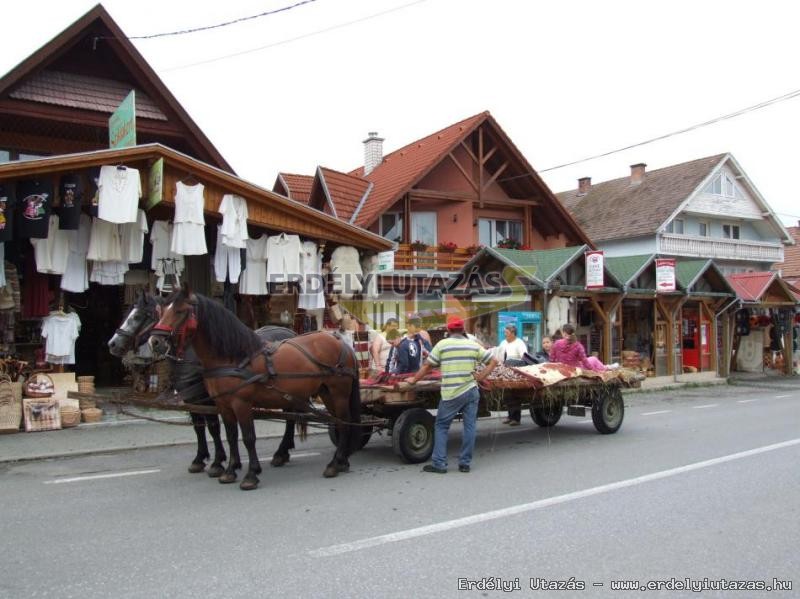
{"points": [[434, 469], [463, 468]]}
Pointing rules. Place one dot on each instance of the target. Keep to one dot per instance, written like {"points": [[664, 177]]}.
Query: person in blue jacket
{"points": [[407, 354]]}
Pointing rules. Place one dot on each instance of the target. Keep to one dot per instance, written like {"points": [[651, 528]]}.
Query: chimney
{"points": [[584, 184], [637, 173], [373, 151]]}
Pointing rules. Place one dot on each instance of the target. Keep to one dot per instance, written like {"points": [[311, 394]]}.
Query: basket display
{"points": [[86, 404], [10, 406], [92, 415], [86, 385], [70, 416], [41, 414], [39, 385]]}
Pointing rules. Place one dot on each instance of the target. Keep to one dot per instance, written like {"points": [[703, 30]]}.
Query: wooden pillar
{"points": [[787, 351], [407, 218]]}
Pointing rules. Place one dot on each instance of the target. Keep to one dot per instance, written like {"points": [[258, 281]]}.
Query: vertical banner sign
{"points": [[385, 261], [155, 183], [122, 124], [594, 270], [665, 275]]}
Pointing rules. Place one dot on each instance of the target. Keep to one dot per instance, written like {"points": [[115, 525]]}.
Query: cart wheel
{"points": [[412, 435], [608, 410], [333, 435], [546, 416]]}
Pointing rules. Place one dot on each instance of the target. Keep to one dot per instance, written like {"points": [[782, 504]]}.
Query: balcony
{"points": [[430, 258], [723, 249]]}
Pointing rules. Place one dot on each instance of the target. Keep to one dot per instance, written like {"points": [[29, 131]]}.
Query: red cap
{"points": [[455, 323]]}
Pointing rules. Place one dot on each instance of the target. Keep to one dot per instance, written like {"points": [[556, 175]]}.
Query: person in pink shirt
{"points": [[568, 350]]}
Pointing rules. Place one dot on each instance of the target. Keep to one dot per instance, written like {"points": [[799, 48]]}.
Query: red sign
{"points": [[594, 270], [665, 275]]}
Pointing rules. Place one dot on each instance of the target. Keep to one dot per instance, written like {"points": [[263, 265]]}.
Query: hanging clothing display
{"points": [[188, 229], [2, 267], [163, 261], [70, 193], [110, 272], [51, 253], [120, 188], [35, 197], [254, 281], [61, 331], [312, 289], [369, 268], [132, 239], [7, 203], [104, 241], [76, 275], [234, 221], [346, 271], [557, 313], [227, 261], [283, 258]]}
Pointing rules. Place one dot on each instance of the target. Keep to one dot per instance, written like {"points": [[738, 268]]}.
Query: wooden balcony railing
{"points": [[431, 258], [730, 249]]}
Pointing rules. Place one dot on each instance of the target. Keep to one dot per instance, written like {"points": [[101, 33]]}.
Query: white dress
{"points": [[104, 242], [133, 239], [283, 258], [254, 281], [312, 290], [234, 221], [119, 193], [162, 259], [76, 276], [51, 253], [227, 261], [188, 229]]}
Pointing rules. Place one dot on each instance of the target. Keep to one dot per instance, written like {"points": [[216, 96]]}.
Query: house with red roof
{"points": [[790, 267]]}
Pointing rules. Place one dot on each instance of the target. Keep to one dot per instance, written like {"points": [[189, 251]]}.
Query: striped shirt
{"points": [[457, 357]]}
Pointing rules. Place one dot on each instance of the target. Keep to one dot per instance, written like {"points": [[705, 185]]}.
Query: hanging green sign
{"points": [[122, 124], [155, 183]]}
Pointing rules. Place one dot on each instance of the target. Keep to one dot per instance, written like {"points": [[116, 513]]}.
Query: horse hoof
{"points": [[331, 472], [279, 460], [227, 478], [215, 471], [249, 484], [343, 467], [197, 467]]}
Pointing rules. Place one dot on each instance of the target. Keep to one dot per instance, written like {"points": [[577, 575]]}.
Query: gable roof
{"points": [[790, 267], [751, 287], [40, 78], [627, 268], [617, 209], [294, 187], [347, 192]]}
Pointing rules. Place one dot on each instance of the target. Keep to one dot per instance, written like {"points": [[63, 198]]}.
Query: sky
{"points": [[566, 80]]}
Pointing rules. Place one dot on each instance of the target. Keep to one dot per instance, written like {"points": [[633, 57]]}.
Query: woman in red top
{"points": [[569, 350]]}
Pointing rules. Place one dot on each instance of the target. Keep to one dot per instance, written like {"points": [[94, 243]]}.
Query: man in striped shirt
{"points": [[456, 357]]}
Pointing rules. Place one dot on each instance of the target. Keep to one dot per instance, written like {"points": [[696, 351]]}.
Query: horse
{"points": [[242, 372], [187, 380]]}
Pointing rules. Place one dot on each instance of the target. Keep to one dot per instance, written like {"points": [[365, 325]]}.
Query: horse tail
{"points": [[355, 413], [301, 426]]}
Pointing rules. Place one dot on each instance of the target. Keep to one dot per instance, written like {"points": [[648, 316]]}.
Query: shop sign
{"points": [[122, 124], [155, 183], [386, 261], [665, 275], [594, 270]]}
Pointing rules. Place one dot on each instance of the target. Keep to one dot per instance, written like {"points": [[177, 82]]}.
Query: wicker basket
{"points": [[10, 406], [92, 415], [86, 404], [85, 379], [39, 385], [70, 416]]}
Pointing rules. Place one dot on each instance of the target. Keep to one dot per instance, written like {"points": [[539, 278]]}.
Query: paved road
{"points": [[704, 485]]}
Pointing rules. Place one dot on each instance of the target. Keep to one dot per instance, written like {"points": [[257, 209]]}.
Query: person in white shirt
{"points": [[511, 349]]}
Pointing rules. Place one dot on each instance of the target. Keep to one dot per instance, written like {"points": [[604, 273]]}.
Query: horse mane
{"points": [[228, 335]]}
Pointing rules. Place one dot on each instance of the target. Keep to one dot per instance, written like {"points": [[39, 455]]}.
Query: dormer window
{"points": [[723, 185]]}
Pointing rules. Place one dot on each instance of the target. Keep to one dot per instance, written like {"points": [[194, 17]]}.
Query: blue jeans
{"points": [[467, 403]]}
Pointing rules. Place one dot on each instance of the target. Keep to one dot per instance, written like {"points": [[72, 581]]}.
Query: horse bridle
{"points": [[182, 331], [138, 335]]}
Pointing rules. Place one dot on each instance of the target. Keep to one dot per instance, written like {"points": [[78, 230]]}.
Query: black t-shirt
{"points": [[71, 194], [7, 202], [94, 193], [35, 199]]}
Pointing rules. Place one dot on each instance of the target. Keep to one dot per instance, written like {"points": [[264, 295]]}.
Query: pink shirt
{"points": [[571, 354]]}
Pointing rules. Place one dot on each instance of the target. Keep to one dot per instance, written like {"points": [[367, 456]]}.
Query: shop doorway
{"points": [[100, 309]]}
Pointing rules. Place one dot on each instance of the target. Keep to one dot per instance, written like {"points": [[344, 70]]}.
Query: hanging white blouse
{"points": [[61, 331], [346, 271], [109, 272], [188, 228], [119, 190], [283, 258], [51, 252], [234, 221], [104, 241], [254, 280], [312, 289], [132, 242], [76, 276], [161, 256]]}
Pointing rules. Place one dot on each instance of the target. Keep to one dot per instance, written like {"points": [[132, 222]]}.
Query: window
{"points": [[492, 231], [423, 227], [5, 155], [676, 226], [723, 185], [392, 226], [703, 229], [730, 231], [727, 186]]}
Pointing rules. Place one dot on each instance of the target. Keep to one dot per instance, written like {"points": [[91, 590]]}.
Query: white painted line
{"points": [[782, 396], [514, 510], [295, 456], [746, 400], [708, 405], [654, 413], [99, 476]]}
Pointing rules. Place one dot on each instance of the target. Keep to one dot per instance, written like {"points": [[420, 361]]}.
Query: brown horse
{"points": [[241, 372]]}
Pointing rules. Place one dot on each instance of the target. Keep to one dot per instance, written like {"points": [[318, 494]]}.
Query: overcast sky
{"points": [[565, 79]]}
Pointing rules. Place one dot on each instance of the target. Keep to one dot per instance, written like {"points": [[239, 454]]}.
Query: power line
{"points": [[225, 24], [764, 104], [293, 39]]}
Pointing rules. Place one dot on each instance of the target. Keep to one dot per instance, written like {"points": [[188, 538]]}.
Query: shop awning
{"points": [[764, 288]]}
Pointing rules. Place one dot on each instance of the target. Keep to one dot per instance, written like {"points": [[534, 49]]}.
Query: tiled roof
{"points": [[617, 209], [541, 263], [84, 92], [790, 267], [346, 191], [400, 169], [625, 268], [750, 286], [299, 186], [687, 271]]}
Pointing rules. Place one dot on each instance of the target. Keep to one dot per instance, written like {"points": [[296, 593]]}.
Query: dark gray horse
{"points": [[187, 380]]}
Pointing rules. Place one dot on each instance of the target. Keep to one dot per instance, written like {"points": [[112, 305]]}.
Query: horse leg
{"points": [[232, 434], [244, 414], [216, 469], [282, 454], [339, 463], [199, 462]]}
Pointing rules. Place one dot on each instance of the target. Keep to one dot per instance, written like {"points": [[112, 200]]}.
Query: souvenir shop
{"points": [[82, 233]]}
